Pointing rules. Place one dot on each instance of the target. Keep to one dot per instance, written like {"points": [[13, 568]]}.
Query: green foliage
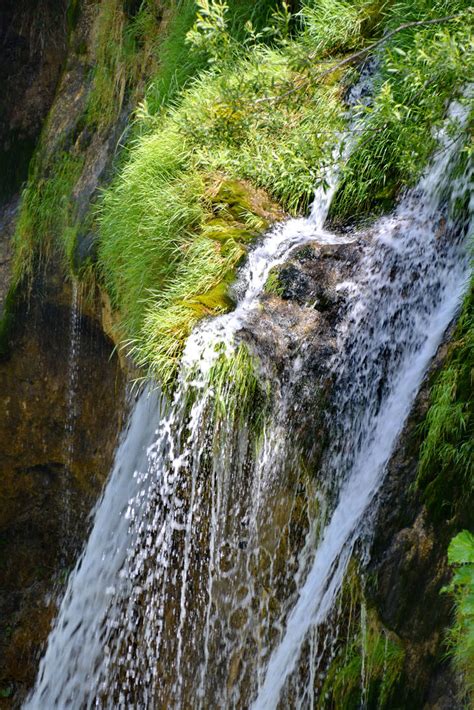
{"points": [[167, 250], [179, 63], [169, 247], [333, 26], [238, 393], [421, 70], [209, 33], [123, 50], [446, 466], [461, 636], [46, 210], [366, 668], [273, 285], [383, 657]]}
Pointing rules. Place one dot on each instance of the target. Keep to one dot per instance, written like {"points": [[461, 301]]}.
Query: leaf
{"points": [[461, 549]]}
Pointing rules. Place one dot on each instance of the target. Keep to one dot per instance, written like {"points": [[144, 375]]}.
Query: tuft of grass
{"points": [[273, 285], [239, 396], [446, 466], [461, 635], [383, 657]]}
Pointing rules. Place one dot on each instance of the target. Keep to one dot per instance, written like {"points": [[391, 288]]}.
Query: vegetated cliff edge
{"points": [[211, 165]]}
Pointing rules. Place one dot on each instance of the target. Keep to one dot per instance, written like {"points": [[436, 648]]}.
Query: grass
{"points": [[421, 71], [239, 396], [461, 635], [178, 66], [446, 466], [379, 657], [168, 251], [47, 212], [125, 51]]}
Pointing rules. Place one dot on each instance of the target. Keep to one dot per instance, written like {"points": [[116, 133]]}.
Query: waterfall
{"points": [[414, 276], [209, 569], [73, 369], [83, 609]]}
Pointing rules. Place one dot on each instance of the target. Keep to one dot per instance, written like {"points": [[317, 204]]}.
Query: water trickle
{"points": [[209, 573], [71, 402]]}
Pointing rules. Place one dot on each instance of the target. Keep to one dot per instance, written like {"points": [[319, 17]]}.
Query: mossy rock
{"points": [[220, 230], [239, 199], [215, 300]]}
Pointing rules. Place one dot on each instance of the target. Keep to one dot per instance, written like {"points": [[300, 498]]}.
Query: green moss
{"points": [[446, 467], [368, 667], [461, 635], [46, 210]]}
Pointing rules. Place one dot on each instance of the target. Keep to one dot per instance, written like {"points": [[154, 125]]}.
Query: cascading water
{"points": [[73, 367], [91, 585], [414, 275], [208, 589]]}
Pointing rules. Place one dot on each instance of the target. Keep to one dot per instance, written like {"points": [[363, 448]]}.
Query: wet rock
{"points": [[408, 568], [32, 50], [8, 215], [49, 478]]}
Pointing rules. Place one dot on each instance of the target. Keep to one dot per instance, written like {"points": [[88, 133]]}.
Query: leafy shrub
{"points": [[461, 636], [421, 70], [446, 466]]}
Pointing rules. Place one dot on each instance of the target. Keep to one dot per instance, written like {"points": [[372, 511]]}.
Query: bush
{"points": [[461, 636]]}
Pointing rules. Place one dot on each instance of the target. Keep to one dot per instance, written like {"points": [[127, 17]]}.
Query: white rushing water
{"points": [[207, 571], [75, 643], [410, 289]]}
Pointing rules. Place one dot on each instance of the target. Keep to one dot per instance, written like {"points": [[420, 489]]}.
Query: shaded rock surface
{"points": [[53, 464], [408, 568], [33, 41]]}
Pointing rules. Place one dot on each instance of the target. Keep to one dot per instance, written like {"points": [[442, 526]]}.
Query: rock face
{"points": [[33, 41], [61, 416], [61, 386], [408, 568], [294, 335]]}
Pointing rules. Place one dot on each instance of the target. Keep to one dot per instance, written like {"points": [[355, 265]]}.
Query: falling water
{"points": [[71, 403], [208, 573], [93, 582], [413, 278]]}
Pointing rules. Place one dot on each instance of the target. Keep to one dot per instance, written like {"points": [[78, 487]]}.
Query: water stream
{"points": [[214, 558], [71, 403]]}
